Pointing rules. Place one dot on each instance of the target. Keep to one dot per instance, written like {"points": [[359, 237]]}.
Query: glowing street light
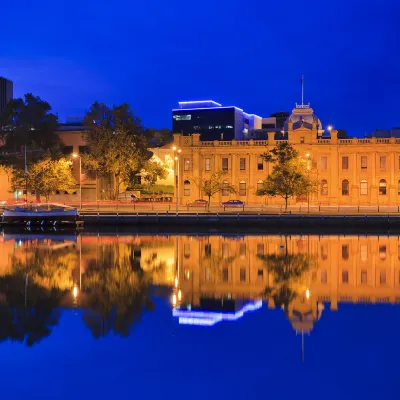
{"points": [[75, 292], [179, 295], [329, 128], [307, 293], [75, 155], [174, 299]]}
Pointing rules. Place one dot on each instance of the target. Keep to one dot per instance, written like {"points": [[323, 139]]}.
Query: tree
{"points": [[213, 184], [148, 176], [45, 177], [28, 122], [117, 142], [290, 176]]}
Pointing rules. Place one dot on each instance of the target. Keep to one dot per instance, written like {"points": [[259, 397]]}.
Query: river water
{"points": [[199, 316]]}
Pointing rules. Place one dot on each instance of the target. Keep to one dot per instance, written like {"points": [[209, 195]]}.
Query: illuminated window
{"points": [[225, 250], [242, 164], [302, 140], [186, 164], [186, 250], [186, 188], [345, 187], [207, 164], [260, 185], [225, 190], [363, 188], [345, 276], [260, 249], [364, 162], [242, 188], [345, 251], [382, 187], [382, 162], [260, 163], [382, 277], [364, 276], [345, 162], [242, 250], [324, 187], [382, 252], [225, 274], [260, 275], [324, 276], [224, 164], [324, 251], [186, 117], [364, 252], [242, 274], [324, 162]]}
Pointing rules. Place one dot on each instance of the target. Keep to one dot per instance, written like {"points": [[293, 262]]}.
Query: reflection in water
{"points": [[208, 279]]}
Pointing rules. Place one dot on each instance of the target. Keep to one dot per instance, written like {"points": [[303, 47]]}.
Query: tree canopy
{"points": [[289, 177], [28, 122], [214, 183], [118, 144], [45, 177]]}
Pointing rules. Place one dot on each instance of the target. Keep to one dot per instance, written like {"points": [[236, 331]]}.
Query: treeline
{"points": [[31, 150]]}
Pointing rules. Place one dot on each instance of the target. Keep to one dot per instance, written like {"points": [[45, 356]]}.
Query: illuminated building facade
{"points": [[213, 121], [350, 171]]}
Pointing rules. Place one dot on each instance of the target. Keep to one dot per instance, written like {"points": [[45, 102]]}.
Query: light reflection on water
{"points": [[207, 279]]}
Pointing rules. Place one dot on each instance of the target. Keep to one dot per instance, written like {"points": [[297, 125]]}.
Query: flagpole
{"points": [[302, 90]]}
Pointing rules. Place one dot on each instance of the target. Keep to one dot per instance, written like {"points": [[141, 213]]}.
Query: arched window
{"points": [[363, 188], [345, 187], [242, 188], [260, 185], [382, 187], [225, 190], [324, 187], [398, 187], [186, 188]]}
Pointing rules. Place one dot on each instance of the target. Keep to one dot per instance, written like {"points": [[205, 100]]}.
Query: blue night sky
{"points": [[251, 53]]}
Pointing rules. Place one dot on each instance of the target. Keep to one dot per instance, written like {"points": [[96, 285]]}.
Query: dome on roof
{"points": [[304, 115]]}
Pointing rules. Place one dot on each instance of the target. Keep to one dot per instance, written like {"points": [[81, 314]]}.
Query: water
{"points": [[151, 316]]}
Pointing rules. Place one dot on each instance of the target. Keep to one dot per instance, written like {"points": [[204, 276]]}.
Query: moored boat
{"points": [[48, 213]]}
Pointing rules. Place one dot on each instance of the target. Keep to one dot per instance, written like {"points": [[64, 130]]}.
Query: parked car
{"points": [[232, 203], [198, 203], [128, 196]]}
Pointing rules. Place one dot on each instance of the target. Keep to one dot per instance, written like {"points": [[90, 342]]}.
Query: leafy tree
{"points": [[45, 177], [287, 269], [117, 142], [213, 184], [290, 176], [117, 293], [28, 122]]}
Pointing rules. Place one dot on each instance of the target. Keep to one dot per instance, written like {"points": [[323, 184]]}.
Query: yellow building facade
{"points": [[350, 171]]}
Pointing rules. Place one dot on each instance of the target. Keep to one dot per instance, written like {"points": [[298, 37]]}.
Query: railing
{"points": [[260, 143], [224, 143], [324, 141], [238, 143], [210, 143], [345, 141], [382, 141], [363, 141]]}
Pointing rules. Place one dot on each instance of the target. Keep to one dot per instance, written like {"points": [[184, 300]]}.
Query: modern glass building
{"points": [[213, 121], [6, 94]]}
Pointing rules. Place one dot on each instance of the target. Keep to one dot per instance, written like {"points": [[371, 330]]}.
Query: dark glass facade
{"points": [[6, 94], [212, 123]]}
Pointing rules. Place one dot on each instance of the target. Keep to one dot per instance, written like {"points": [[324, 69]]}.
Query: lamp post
{"points": [[308, 191], [176, 158], [75, 155]]}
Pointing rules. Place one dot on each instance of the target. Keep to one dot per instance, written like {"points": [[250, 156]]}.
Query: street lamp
{"points": [[177, 152], [329, 128], [75, 155]]}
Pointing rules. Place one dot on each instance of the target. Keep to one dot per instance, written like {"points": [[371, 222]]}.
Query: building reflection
{"points": [[302, 275], [208, 279]]}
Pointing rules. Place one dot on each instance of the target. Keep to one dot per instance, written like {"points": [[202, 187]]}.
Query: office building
{"points": [[213, 121], [6, 94]]}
